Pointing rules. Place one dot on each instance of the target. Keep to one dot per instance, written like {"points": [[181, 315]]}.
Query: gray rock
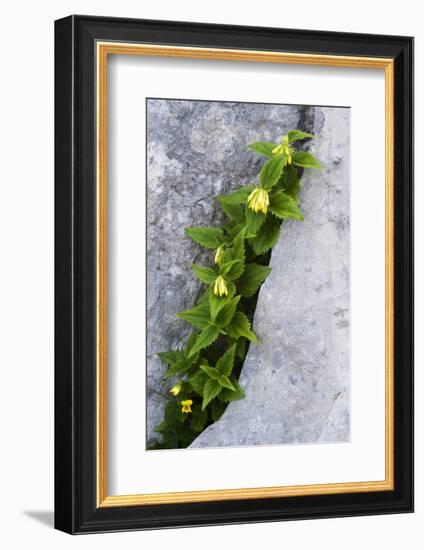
{"points": [[196, 150], [297, 379]]}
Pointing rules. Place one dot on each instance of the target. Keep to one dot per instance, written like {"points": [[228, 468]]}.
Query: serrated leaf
{"points": [[186, 434], [283, 206], [227, 312], [295, 135], [199, 420], [267, 235], [189, 344], [203, 297], [233, 211], [226, 267], [173, 414], [197, 381], [237, 197], [217, 408], [252, 278], [162, 426], [225, 382], [241, 348], [171, 357], [227, 395], [291, 183], [210, 371], [306, 160], [198, 316], [240, 326], [264, 148], [208, 335], [225, 362], [209, 237], [271, 171], [170, 438], [234, 231], [254, 220], [232, 270], [210, 391], [178, 368], [205, 274], [237, 249]]}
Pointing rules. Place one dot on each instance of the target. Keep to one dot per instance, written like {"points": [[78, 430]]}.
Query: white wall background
{"points": [[26, 273]]}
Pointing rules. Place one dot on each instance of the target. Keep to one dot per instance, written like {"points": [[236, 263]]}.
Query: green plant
{"points": [[206, 370]]}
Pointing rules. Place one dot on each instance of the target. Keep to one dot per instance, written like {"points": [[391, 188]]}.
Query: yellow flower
{"points": [[258, 200], [186, 406], [218, 254], [176, 389], [220, 288], [284, 148]]}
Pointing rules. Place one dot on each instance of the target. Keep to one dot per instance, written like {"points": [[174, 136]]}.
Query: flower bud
{"points": [[218, 254], [258, 200], [176, 389], [220, 288]]}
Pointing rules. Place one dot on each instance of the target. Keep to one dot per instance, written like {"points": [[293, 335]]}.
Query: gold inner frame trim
{"points": [[103, 50]]}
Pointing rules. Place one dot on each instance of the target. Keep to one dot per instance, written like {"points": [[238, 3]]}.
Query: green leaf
{"points": [[267, 236], [226, 361], [178, 368], [263, 147], [198, 316], [171, 357], [210, 371], [209, 237], [233, 232], [210, 391], [271, 171], [306, 160], [197, 381], [290, 182], [170, 438], [208, 335], [254, 220], [225, 382], [233, 211], [227, 312], [232, 270], [205, 274], [173, 414], [226, 267], [217, 408], [199, 420], [227, 395], [237, 249], [285, 207], [216, 303], [253, 276], [190, 342], [295, 135], [240, 326], [186, 434], [162, 426], [241, 348], [237, 197]]}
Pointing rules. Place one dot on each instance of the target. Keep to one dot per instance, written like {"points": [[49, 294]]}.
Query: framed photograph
{"points": [[234, 274]]}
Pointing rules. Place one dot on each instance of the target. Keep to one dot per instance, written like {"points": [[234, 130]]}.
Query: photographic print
{"points": [[248, 306], [233, 289]]}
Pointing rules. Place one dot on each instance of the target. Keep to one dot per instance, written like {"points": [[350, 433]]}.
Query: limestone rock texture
{"points": [[196, 150], [297, 379]]}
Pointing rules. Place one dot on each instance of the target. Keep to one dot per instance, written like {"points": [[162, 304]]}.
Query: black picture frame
{"points": [[76, 510]]}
